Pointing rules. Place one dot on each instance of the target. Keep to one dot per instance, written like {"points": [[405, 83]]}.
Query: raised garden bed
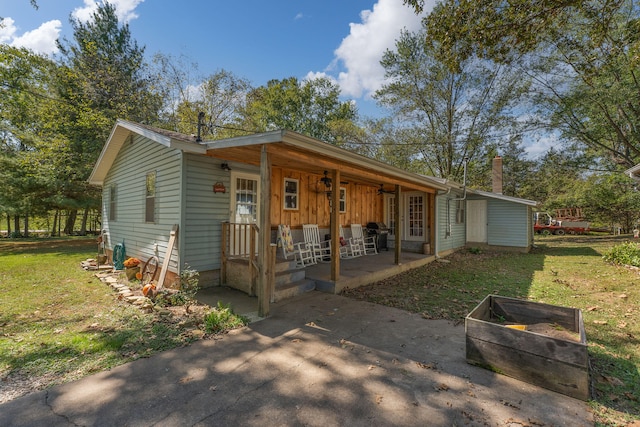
{"points": [[550, 351]]}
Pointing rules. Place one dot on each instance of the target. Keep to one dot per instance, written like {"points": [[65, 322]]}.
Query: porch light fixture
{"points": [[326, 180], [382, 191], [225, 167]]}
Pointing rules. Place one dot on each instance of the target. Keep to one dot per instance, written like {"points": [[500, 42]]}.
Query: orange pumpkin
{"points": [[148, 288], [139, 275]]}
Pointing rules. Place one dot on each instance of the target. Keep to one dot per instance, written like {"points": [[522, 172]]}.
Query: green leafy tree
{"points": [[498, 29], [453, 115], [25, 180], [554, 179], [516, 170], [102, 78], [583, 56], [311, 107], [587, 82], [611, 199], [221, 97]]}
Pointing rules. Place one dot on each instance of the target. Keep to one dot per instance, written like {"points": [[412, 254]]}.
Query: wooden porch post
{"points": [[399, 225], [335, 223], [264, 235]]}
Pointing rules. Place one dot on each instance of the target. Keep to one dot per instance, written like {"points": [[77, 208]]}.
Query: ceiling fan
{"points": [[381, 190]]}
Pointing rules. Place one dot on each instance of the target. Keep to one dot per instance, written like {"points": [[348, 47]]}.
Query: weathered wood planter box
{"points": [[551, 352]]}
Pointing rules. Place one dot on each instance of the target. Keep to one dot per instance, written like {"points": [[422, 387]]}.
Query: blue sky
{"points": [[255, 39]]}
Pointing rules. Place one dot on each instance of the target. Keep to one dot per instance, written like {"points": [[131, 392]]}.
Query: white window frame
{"points": [[343, 200], [290, 198], [460, 211], [150, 198], [113, 202]]}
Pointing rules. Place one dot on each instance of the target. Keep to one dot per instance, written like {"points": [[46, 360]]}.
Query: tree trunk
{"points": [[26, 225], [83, 227], [8, 225], [55, 223], [16, 224], [71, 222]]}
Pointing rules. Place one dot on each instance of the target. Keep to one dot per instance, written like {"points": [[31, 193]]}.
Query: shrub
{"points": [[627, 253], [222, 318], [189, 279]]}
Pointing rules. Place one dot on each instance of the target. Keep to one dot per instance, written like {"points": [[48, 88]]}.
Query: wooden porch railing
{"points": [[240, 241]]}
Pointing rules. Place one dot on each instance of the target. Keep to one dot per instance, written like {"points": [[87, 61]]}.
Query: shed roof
{"points": [[503, 197]]}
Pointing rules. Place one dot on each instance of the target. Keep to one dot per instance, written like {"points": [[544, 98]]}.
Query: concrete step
{"points": [[289, 276], [285, 265], [292, 289], [325, 286]]}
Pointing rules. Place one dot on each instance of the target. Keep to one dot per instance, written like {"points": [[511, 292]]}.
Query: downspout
{"points": [[457, 199]]}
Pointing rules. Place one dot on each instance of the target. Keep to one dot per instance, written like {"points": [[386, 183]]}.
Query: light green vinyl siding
{"points": [[137, 157], [457, 236], [204, 211], [508, 223]]}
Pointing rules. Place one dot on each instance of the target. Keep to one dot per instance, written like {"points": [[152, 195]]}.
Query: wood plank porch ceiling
{"points": [[295, 158]]}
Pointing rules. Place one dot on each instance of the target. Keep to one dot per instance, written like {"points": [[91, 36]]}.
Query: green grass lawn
{"points": [[567, 271], [60, 323]]}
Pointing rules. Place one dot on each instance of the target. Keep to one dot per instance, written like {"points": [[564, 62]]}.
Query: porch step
{"points": [[325, 286], [285, 265], [292, 289], [289, 276]]}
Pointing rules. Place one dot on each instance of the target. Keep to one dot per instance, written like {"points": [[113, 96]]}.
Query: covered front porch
{"points": [[297, 181], [354, 273]]}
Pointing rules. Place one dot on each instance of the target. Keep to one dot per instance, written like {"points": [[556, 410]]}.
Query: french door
{"points": [[415, 217]]}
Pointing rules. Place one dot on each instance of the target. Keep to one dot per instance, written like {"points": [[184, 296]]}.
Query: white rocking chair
{"points": [[302, 254], [348, 247], [321, 248], [368, 243]]}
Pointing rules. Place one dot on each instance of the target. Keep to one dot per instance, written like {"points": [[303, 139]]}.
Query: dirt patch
{"points": [[552, 330]]}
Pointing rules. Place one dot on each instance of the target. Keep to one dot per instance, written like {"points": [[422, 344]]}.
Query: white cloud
{"points": [[125, 10], [41, 40], [312, 75], [359, 54], [7, 30]]}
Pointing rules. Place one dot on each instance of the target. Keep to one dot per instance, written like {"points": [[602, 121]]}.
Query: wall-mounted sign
{"points": [[219, 187]]}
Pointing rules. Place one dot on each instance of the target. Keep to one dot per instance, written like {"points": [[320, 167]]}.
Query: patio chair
{"points": [[321, 248], [348, 247], [367, 243], [302, 254]]}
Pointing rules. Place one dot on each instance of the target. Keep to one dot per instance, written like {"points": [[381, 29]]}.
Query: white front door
{"points": [[477, 221], [415, 215], [245, 198]]}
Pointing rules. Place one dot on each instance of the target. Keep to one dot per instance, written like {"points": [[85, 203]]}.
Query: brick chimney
{"points": [[496, 175]]}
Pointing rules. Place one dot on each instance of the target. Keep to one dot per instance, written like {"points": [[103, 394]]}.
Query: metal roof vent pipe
{"points": [[200, 126], [496, 175]]}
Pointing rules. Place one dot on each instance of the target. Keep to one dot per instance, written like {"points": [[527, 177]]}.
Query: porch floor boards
{"points": [[364, 270]]}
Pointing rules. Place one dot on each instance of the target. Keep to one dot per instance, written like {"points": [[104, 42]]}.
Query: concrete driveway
{"points": [[319, 360]]}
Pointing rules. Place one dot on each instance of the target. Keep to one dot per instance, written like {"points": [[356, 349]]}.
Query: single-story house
{"points": [[223, 194]]}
